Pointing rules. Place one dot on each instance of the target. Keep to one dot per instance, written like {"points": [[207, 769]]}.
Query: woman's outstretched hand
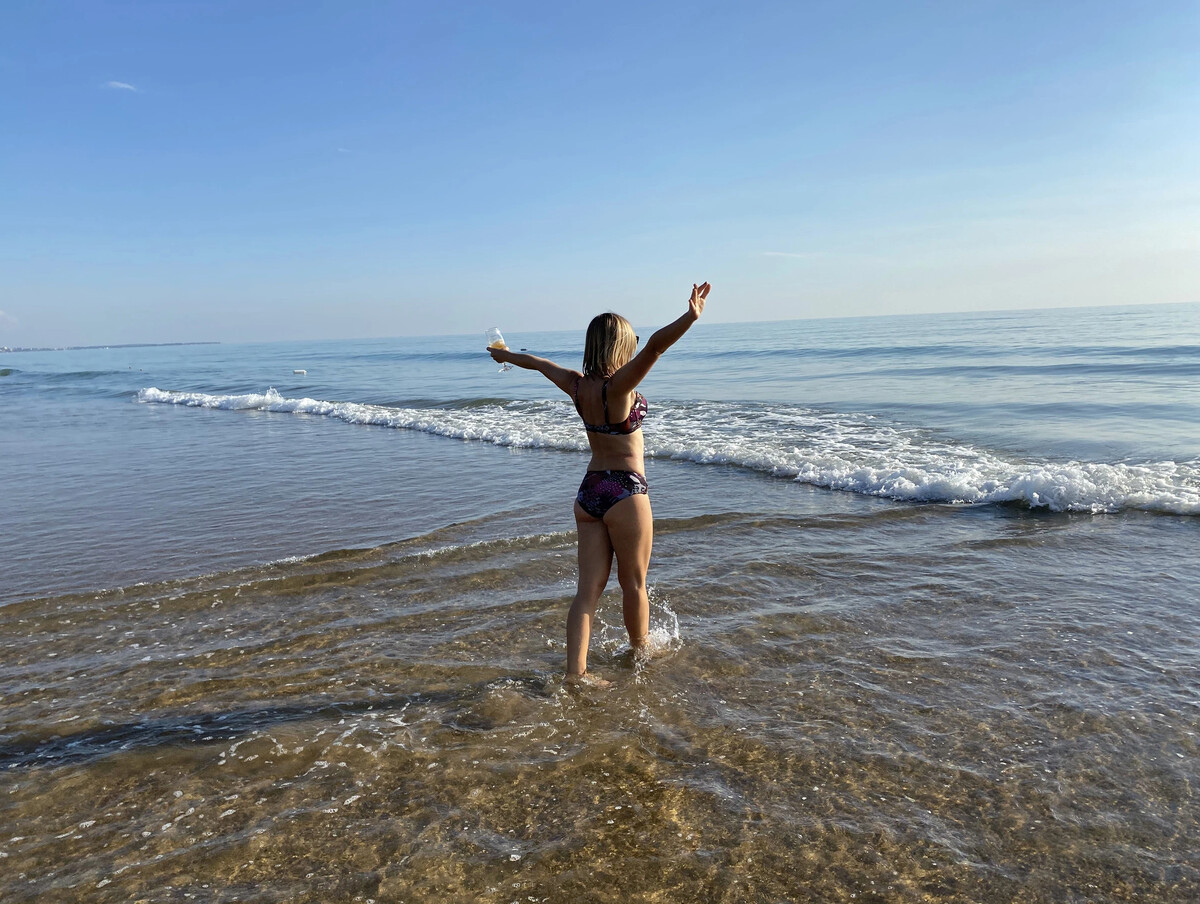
{"points": [[699, 294]]}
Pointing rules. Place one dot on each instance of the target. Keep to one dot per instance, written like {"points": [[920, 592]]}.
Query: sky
{"points": [[181, 170]]}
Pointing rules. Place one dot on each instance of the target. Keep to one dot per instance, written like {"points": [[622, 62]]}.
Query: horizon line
{"points": [[104, 345]]}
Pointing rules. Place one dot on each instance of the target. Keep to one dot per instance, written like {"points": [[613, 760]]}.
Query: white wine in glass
{"points": [[496, 340]]}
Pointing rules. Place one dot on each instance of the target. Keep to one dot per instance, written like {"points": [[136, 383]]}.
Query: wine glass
{"points": [[496, 340]]}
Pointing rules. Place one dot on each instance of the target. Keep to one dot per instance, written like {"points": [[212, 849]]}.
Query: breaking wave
{"points": [[854, 452]]}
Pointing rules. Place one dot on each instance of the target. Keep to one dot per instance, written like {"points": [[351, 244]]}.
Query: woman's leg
{"points": [[595, 563], [631, 531]]}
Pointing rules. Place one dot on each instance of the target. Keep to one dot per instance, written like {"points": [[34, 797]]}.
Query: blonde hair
{"points": [[609, 345]]}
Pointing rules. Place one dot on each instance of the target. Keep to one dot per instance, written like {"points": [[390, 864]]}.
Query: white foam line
{"points": [[857, 453], [466, 424]]}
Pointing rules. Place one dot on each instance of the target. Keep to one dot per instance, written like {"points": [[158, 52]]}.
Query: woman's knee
{"points": [[591, 589], [632, 580]]}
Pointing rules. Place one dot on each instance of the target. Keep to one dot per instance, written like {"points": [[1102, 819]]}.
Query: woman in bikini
{"points": [[612, 508]]}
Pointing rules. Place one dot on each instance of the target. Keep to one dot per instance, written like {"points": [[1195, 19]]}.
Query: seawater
{"points": [[924, 591]]}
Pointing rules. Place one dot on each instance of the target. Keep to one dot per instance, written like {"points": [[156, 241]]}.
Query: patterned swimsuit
{"points": [[601, 490]]}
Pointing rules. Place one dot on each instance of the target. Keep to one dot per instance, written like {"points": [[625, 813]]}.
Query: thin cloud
{"points": [[794, 253], [122, 86], [7, 319]]}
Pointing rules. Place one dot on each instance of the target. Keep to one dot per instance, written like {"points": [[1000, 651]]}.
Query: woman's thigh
{"points": [[595, 551], [630, 526]]}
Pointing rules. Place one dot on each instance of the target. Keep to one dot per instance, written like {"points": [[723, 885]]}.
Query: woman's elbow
{"points": [[656, 347]]}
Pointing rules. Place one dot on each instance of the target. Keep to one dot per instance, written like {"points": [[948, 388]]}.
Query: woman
{"points": [[612, 509]]}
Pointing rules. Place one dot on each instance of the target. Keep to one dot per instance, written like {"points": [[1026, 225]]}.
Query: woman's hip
{"points": [[602, 489]]}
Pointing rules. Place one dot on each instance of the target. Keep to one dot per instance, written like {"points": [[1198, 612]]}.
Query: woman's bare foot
{"points": [[587, 679]]}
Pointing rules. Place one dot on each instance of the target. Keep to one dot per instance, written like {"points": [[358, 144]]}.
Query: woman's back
{"points": [[613, 422]]}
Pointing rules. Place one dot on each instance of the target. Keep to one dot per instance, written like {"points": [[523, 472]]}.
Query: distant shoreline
{"points": [[76, 348]]}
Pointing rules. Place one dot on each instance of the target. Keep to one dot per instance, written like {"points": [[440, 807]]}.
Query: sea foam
{"points": [[841, 451]]}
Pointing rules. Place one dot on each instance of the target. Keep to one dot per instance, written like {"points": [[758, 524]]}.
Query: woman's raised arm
{"points": [[560, 376], [628, 377]]}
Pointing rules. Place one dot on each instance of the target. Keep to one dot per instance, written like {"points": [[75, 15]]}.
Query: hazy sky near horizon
{"points": [[195, 170]]}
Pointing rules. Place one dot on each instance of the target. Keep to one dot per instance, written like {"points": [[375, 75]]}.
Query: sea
{"points": [[284, 622]]}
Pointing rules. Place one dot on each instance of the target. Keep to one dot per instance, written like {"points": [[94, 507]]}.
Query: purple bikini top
{"points": [[634, 422]]}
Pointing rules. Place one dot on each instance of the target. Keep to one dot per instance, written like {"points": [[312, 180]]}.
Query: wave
{"points": [[488, 423], [1107, 370], [72, 376], [1050, 354], [854, 452]]}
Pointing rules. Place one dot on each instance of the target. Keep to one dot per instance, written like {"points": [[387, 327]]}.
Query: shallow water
{"points": [[966, 724]]}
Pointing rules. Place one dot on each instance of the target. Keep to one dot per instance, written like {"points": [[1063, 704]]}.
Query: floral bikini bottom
{"points": [[601, 490]]}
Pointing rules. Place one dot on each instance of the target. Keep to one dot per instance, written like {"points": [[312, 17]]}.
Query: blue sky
{"points": [[255, 171]]}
